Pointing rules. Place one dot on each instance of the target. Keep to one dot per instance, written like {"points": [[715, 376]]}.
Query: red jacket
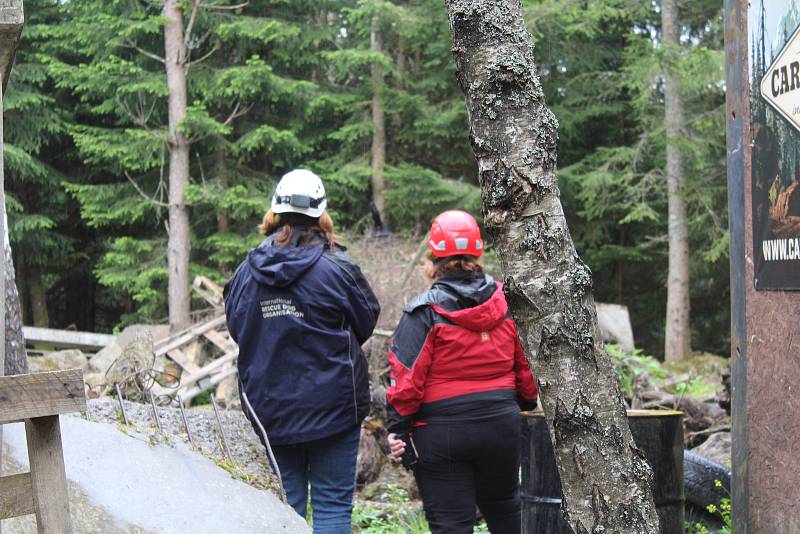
{"points": [[456, 350]]}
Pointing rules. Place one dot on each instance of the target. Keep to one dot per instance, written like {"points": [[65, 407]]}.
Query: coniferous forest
{"points": [[274, 85]]}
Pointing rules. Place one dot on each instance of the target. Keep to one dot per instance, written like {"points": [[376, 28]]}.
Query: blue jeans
{"points": [[329, 464]]}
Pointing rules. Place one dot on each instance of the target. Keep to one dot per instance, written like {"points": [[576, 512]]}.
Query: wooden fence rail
{"points": [[38, 400]]}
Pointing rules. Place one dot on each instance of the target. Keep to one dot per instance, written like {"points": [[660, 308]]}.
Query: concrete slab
{"points": [[163, 489]]}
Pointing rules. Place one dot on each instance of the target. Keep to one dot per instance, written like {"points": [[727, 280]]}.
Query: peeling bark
{"points": [[677, 341], [605, 478], [178, 245]]}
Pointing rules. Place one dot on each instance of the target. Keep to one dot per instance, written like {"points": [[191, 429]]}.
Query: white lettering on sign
{"points": [[279, 307], [781, 249], [780, 86]]}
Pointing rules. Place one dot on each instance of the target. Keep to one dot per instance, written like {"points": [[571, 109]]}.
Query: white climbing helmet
{"points": [[300, 191]]}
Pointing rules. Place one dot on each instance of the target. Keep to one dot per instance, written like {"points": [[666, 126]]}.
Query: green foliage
{"points": [[695, 388], [610, 107], [634, 370], [723, 512], [416, 195], [399, 516], [276, 85]]}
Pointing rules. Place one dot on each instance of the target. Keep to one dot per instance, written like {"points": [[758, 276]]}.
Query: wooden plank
{"points": [[66, 339], [180, 358], [16, 496], [48, 478], [188, 335], [222, 341], [216, 379], [208, 370], [210, 291], [41, 394]]}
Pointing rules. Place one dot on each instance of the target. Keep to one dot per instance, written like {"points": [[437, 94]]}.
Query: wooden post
{"points": [[38, 399], [764, 341], [48, 476]]}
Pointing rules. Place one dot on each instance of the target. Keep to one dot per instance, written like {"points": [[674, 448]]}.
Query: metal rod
{"points": [[155, 411], [122, 405], [185, 421], [270, 454], [222, 431]]}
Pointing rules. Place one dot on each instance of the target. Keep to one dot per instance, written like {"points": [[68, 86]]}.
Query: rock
{"points": [[100, 362], [716, 448], [228, 392], [615, 325], [59, 360]]}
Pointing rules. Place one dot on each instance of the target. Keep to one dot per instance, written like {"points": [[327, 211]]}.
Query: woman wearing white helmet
{"points": [[300, 309]]}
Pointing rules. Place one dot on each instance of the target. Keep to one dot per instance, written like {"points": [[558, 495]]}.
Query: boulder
{"points": [[615, 325], [100, 362], [57, 361]]}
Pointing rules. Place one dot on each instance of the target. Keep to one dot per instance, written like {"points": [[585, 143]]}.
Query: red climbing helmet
{"points": [[454, 233]]}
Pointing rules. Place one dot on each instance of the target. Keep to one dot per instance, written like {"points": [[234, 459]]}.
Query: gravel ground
{"points": [[249, 456]]}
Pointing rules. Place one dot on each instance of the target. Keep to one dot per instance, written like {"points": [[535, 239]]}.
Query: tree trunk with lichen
{"points": [[605, 478]]}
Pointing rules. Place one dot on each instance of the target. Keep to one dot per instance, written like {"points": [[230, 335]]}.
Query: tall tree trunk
{"points": [[605, 478], [378, 125], [38, 297], [678, 329], [179, 246]]}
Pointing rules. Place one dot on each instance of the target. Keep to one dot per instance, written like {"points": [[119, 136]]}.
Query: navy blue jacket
{"points": [[300, 315]]}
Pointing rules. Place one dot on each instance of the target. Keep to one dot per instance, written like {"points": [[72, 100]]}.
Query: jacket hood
{"points": [[476, 301], [281, 266]]}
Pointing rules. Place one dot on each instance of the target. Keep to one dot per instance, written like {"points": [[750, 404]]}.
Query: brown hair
{"points": [[283, 224], [433, 267]]}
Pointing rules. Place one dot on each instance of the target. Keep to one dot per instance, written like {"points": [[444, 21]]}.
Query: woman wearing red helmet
{"points": [[458, 379]]}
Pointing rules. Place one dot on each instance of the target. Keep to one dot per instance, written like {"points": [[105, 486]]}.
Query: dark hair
{"points": [[282, 225]]}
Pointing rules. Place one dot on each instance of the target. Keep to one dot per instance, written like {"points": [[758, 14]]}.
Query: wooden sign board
{"points": [[763, 163]]}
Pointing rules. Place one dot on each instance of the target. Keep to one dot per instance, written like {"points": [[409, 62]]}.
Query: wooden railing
{"points": [[38, 400]]}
